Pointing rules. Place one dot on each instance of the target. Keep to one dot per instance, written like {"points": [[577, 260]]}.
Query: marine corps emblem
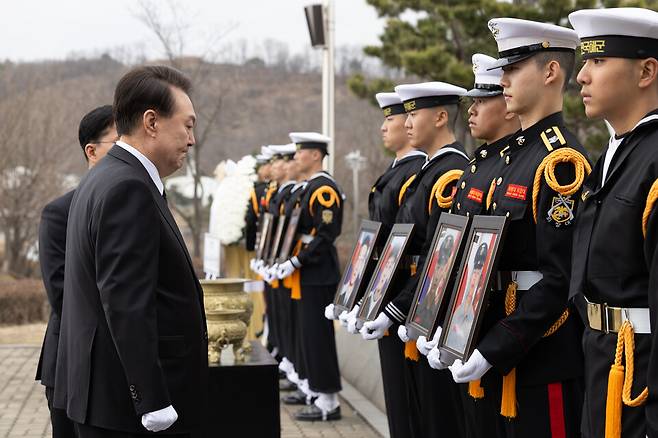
{"points": [[561, 211], [327, 216], [493, 27]]}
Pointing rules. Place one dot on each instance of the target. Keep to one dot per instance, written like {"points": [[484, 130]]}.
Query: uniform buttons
{"points": [[463, 185], [459, 206], [499, 180], [507, 214], [468, 213], [483, 153], [494, 206], [473, 168], [507, 159]]}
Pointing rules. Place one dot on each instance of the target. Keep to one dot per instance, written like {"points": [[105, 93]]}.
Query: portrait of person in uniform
{"points": [[356, 268], [437, 277], [469, 294], [382, 277]]}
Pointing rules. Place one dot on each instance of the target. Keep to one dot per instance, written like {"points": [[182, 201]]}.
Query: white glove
{"points": [[475, 367], [424, 346], [285, 269], [434, 359], [343, 318], [329, 312], [159, 420], [403, 334], [352, 322], [376, 329], [252, 264], [270, 273]]}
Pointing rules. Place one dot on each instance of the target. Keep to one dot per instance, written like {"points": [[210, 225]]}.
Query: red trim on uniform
{"points": [[475, 195], [556, 410], [516, 191], [454, 191]]}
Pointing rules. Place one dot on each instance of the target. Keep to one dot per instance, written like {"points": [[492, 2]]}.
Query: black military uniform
{"points": [[433, 413], [253, 213], [548, 367], [270, 305], [615, 263], [383, 204]]}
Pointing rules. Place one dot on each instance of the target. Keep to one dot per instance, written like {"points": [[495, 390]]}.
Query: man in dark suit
{"points": [[133, 341], [96, 133]]}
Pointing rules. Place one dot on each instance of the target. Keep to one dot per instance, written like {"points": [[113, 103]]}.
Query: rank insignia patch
{"points": [[561, 211], [516, 191], [327, 216], [475, 195]]}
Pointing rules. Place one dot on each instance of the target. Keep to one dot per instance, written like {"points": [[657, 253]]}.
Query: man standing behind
{"points": [[133, 341], [96, 133]]}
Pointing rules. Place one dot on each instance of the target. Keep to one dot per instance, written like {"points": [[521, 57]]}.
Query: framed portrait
{"points": [[470, 294], [266, 232], [276, 240], [385, 271], [359, 267], [438, 275], [289, 236]]}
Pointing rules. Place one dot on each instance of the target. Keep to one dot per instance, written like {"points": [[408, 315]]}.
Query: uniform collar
{"points": [[285, 184], [409, 155], [522, 137], [454, 148], [490, 150], [319, 174]]}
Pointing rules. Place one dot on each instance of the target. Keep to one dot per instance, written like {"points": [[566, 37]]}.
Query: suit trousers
{"points": [[61, 424], [391, 359], [481, 419], [87, 431]]}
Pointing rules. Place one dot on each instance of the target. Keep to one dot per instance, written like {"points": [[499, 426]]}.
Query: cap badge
{"points": [[483, 153], [546, 44], [520, 140], [493, 27]]}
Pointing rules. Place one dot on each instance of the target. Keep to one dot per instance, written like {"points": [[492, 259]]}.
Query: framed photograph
{"points": [[384, 272], [276, 241], [289, 237], [264, 242], [360, 267], [438, 275], [470, 294]]}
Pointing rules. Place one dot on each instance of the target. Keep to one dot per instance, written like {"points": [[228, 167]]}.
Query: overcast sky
{"points": [[44, 29]]}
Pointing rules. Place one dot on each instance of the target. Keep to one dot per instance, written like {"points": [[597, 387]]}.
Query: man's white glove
{"points": [[343, 317], [269, 274], [434, 359], [159, 420], [425, 346], [475, 367], [285, 269], [403, 333], [329, 312], [252, 264], [376, 329], [353, 323]]}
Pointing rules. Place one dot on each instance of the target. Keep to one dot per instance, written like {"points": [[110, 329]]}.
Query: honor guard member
{"points": [[253, 211], [383, 204], [490, 121], [432, 110], [315, 271], [529, 335], [615, 264]]}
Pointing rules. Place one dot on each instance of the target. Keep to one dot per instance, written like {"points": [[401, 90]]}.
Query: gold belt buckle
{"points": [[604, 318], [595, 316], [614, 319]]}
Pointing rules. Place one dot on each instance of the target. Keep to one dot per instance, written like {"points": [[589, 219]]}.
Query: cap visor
{"points": [[504, 62], [479, 92]]}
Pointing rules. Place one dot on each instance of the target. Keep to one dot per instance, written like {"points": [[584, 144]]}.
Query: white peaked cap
{"points": [[428, 89], [487, 82], [388, 99], [311, 137], [634, 22]]}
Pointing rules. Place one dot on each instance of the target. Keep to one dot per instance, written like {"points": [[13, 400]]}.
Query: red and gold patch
{"points": [[475, 195], [516, 191]]}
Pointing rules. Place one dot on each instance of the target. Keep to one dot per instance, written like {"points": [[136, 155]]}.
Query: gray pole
{"points": [[356, 162]]}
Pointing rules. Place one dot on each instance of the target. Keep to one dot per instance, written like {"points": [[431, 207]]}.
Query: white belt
{"points": [[306, 238], [524, 279], [608, 319]]}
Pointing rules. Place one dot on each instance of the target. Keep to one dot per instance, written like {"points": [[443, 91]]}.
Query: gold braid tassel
{"points": [[440, 186], [547, 170], [475, 389], [651, 200], [411, 351], [620, 382], [508, 406], [294, 282]]}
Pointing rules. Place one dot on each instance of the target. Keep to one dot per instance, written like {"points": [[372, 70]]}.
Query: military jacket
{"points": [[420, 207], [253, 212], [322, 218], [517, 340]]}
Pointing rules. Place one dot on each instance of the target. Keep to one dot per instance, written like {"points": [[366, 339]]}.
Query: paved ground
{"points": [[23, 410]]}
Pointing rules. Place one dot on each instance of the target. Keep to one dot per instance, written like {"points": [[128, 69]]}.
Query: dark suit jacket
{"points": [[133, 336], [52, 245]]}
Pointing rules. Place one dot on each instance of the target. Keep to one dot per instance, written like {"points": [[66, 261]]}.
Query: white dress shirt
{"points": [[148, 165]]}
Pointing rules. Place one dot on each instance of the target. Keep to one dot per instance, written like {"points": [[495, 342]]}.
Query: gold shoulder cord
{"points": [[326, 196], [651, 200], [404, 188], [439, 187]]}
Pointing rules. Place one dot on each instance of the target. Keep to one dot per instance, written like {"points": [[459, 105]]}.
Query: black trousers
{"points": [[87, 431], [283, 319], [270, 313], [317, 339], [543, 411], [391, 358], [599, 349], [481, 420], [61, 424], [434, 397]]}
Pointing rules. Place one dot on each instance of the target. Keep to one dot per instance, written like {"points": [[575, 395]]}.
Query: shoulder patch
{"points": [[552, 138]]}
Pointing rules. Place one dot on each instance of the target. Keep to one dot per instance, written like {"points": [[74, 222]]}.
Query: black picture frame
{"points": [[263, 247], [276, 241], [480, 260], [385, 272], [360, 267], [438, 275], [289, 236]]}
